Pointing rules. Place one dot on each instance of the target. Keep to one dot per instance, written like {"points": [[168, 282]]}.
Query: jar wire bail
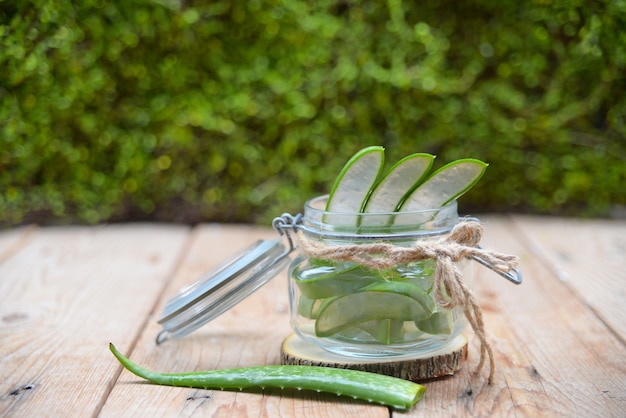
{"points": [[514, 275], [284, 225]]}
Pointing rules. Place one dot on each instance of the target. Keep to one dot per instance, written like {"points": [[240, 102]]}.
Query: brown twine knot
{"points": [[450, 288]]}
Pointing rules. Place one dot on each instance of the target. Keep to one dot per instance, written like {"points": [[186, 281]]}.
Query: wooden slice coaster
{"points": [[445, 361]]}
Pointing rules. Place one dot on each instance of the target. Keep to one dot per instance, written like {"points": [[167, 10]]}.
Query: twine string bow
{"points": [[450, 289]]}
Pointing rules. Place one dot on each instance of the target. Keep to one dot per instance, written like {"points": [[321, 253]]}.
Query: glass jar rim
{"points": [[318, 221]]}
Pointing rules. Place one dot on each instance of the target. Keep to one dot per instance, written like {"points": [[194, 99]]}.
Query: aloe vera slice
{"points": [[436, 324], [352, 187], [309, 308], [371, 387], [445, 185], [353, 309], [333, 280], [406, 288], [385, 331], [401, 179]]}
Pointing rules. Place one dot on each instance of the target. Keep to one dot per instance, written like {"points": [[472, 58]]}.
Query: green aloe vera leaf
{"points": [[309, 308], [371, 387], [445, 185], [385, 331], [406, 288], [353, 185], [439, 323], [305, 307], [353, 309], [333, 280], [398, 182]]}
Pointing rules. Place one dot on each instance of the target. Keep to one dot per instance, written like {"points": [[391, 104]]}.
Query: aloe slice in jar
{"points": [[353, 185], [356, 308], [445, 185], [406, 288], [437, 324], [354, 182], [309, 308], [335, 279], [392, 330], [385, 331], [398, 182]]}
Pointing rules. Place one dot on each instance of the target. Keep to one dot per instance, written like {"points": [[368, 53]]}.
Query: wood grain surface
{"points": [[66, 292]]}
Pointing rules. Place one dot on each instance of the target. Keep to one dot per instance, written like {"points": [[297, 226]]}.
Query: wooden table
{"points": [[66, 292]]}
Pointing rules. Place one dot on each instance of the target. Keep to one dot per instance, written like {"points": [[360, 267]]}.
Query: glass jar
{"points": [[352, 310]]}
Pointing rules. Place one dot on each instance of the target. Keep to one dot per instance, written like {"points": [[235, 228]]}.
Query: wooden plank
{"points": [[65, 295], [589, 256], [250, 334], [12, 240], [554, 357]]}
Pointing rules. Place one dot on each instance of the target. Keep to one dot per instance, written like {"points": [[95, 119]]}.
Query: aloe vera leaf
{"points": [[353, 309], [398, 182], [406, 288], [445, 185], [385, 331], [437, 324], [371, 387], [353, 185], [309, 308], [418, 292], [333, 280]]}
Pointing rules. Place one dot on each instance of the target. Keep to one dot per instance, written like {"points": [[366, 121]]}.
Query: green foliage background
{"points": [[239, 111]]}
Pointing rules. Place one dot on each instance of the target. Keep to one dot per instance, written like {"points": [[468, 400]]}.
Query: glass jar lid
{"points": [[220, 289]]}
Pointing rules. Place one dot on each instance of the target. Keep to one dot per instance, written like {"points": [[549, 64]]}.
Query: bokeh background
{"points": [[238, 111]]}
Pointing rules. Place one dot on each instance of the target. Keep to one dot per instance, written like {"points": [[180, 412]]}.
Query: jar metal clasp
{"points": [[514, 276], [285, 225]]}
